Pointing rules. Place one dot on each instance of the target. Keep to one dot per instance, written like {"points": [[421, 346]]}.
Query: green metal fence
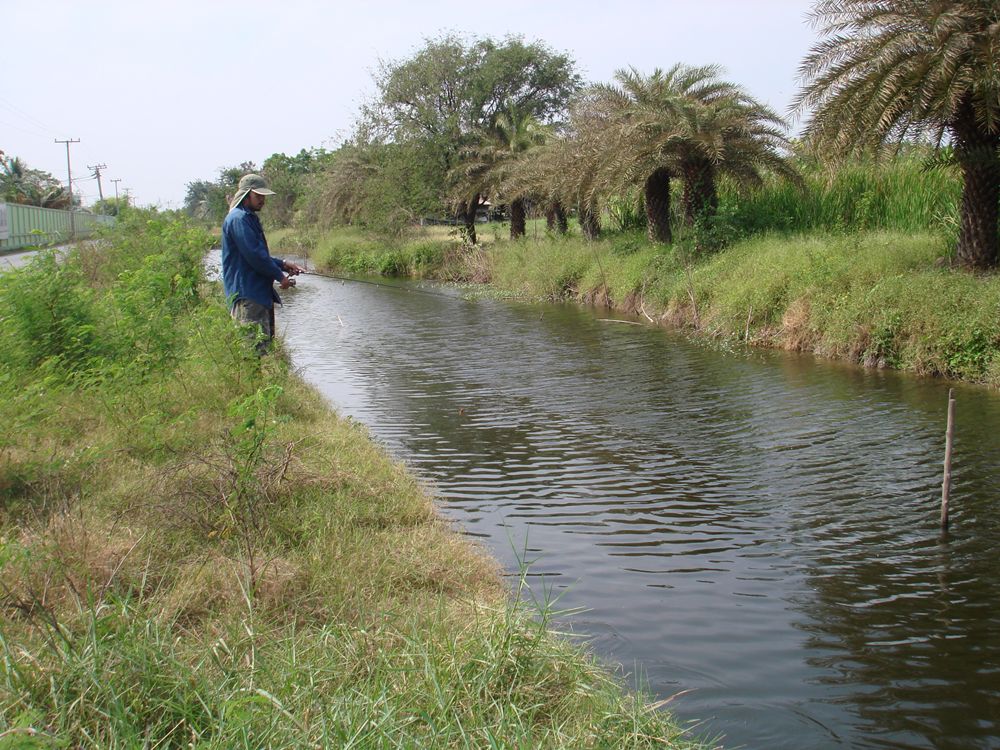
{"points": [[31, 226]]}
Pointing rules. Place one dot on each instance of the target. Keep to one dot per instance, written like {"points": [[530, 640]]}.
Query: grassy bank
{"points": [[877, 298], [194, 551]]}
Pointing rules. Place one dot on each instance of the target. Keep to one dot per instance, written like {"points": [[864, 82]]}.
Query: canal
{"points": [[753, 532]]}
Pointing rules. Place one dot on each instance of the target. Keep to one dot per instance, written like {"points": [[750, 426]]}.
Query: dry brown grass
{"points": [[468, 264], [71, 558], [797, 333]]}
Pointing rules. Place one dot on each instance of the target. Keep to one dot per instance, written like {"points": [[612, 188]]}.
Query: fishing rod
{"points": [[377, 284]]}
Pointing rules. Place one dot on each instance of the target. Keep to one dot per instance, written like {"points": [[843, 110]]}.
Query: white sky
{"points": [[165, 93]]}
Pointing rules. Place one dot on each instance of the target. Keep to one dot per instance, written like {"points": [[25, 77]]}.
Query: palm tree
{"points": [[736, 136], [11, 178], [538, 172], [488, 165], [566, 171], [686, 122], [640, 119], [34, 187], [889, 70]]}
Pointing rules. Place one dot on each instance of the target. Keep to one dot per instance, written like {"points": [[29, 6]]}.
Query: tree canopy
{"points": [[452, 88], [454, 94], [34, 187]]}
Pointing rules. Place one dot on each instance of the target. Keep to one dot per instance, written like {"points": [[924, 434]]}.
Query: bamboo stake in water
{"points": [[949, 436]]}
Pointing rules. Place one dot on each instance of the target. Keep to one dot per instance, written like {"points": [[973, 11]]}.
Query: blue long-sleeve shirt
{"points": [[248, 270]]}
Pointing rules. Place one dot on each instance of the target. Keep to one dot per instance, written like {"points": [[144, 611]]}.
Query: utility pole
{"points": [[116, 181], [69, 181], [97, 173]]}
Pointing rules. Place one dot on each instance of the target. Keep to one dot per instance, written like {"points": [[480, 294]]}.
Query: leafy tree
{"points": [[346, 187], [289, 177], [451, 89], [111, 206], [385, 186], [209, 201], [206, 201], [891, 70], [452, 92]]}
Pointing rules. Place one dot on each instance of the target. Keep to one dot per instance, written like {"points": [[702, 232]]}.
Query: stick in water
{"points": [[949, 436]]}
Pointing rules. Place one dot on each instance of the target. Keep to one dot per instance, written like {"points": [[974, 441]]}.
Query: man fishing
{"points": [[248, 269]]}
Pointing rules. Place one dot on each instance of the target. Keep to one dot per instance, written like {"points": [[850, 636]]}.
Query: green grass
{"points": [[120, 678], [357, 252], [194, 551], [905, 194], [880, 299]]}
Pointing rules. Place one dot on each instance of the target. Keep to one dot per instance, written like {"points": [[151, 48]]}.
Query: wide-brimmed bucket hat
{"points": [[249, 182]]}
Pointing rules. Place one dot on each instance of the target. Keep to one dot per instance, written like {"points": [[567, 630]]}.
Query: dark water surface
{"points": [[757, 529]]}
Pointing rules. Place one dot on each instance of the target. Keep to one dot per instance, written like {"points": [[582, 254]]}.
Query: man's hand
{"points": [[292, 268], [287, 282]]}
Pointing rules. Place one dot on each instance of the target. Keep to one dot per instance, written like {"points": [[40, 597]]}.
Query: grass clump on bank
{"points": [[195, 552]]}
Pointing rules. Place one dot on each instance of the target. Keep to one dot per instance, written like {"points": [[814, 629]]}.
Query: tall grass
{"points": [[195, 552], [905, 194], [119, 677]]}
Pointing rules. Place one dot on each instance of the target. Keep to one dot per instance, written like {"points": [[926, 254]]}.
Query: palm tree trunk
{"points": [[517, 218], [590, 222], [700, 198], [555, 218], [562, 221], [976, 152], [977, 237], [467, 215], [657, 196]]}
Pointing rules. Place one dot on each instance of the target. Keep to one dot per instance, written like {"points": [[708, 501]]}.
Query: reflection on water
{"points": [[757, 529]]}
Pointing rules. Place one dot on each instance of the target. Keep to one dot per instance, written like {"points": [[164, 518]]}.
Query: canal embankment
{"points": [[195, 549], [879, 299]]}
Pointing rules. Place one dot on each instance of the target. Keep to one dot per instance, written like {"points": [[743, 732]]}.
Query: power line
{"points": [[26, 132], [6, 103], [397, 287]]}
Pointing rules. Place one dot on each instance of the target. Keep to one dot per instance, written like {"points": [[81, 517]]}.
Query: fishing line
{"points": [[379, 284]]}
